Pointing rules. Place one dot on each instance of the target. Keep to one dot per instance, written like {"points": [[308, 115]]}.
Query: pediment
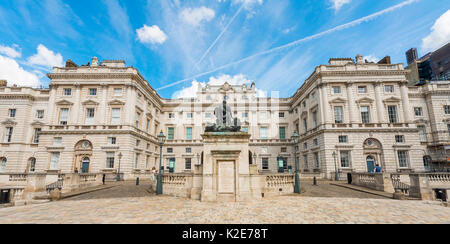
{"points": [[365, 100], [64, 103], [338, 100], [90, 102], [392, 100], [9, 122], [37, 123], [226, 87], [116, 102]]}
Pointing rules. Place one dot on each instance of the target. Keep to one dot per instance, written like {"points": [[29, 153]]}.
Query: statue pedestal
{"points": [[226, 174]]}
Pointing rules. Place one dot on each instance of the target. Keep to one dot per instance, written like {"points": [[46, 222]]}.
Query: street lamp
{"points": [[295, 138], [161, 140], [336, 175], [255, 159], [118, 171]]}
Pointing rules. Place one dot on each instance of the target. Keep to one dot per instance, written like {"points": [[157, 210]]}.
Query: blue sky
{"points": [[171, 41]]}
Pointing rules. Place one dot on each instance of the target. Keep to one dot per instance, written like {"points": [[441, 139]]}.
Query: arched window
{"points": [[3, 164], [32, 165]]}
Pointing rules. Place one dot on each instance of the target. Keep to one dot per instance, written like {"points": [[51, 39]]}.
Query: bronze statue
{"points": [[224, 120]]}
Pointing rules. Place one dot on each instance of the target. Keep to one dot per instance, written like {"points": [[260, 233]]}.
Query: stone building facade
{"points": [[350, 115]]}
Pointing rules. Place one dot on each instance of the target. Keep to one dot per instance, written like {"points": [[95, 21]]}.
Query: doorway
{"points": [[370, 164], [85, 165]]}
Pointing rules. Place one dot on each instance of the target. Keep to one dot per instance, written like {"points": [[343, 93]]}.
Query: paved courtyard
{"points": [[127, 203]]}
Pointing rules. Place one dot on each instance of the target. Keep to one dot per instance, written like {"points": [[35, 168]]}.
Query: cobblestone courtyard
{"points": [[127, 203]]}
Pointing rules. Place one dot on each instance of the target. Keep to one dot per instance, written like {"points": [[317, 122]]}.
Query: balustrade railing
{"points": [[279, 181], [179, 180], [18, 177], [399, 185]]}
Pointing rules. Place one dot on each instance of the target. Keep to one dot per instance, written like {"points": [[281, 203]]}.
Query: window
{"points": [[418, 111], [117, 91], [188, 150], [244, 98], [90, 113], [57, 141], [304, 104], [171, 115], [138, 142], [170, 133], [422, 133], [365, 114], [305, 158], [281, 115], [138, 119], [265, 163], [345, 159], [362, 89], [315, 119], [40, 114], [63, 116], [67, 92], [448, 128], [284, 149], [136, 162], [188, 163], [305, 145], [54, 164], [338, 115], [208, 98], [305, 125], [403, 159], [389, 88], [3, 164], [8, 134], [343, 139], [32, 164], [110, 160], [399, 139], [93, 92], [147, 146], [169, 150], [12, 113], [316, 142], [115, 116], [208, 115], [282, 132], [447, 109], [112, 140], [263, 132], [244, 115], [392, 112], [190, 115], [313, 95], [147, 127], [36, 135], [244, 129], [189, 133], [336, 89], [316, 160]]}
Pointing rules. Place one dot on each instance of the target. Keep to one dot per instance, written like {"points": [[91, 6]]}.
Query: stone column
{"points": [[405, 101], [379, 102], [351, 103]]}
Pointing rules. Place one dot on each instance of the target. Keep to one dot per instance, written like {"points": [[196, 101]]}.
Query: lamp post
{"points": [[294, 138], [161, 140], [118, 171], [255, 162], [336, 175]]}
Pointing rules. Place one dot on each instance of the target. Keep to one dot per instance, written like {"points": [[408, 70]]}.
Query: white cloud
{"points": [[440, 34], [196, 16], [337, 4], [10, 51], [191, 91], [46, 58], [151, 34], [14, 74]]}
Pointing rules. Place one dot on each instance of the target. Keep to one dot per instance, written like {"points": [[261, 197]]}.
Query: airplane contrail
{"points": [[297, 42], [220, 35]]}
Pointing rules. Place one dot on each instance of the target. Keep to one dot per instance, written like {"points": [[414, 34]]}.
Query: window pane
{"points": [[338, 115], [189, 133], [282, 133], [392, 111], [115, 116], [170, 135]]}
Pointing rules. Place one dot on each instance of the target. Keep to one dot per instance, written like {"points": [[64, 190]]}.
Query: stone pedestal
{"points": [[226, 171]]}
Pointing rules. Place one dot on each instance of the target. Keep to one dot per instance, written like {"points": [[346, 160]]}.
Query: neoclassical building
{"points": [[350, 115]]}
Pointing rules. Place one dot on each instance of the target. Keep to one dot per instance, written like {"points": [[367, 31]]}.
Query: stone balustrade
{"points": [[424, 185], [278, 184], [178, 185]]}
